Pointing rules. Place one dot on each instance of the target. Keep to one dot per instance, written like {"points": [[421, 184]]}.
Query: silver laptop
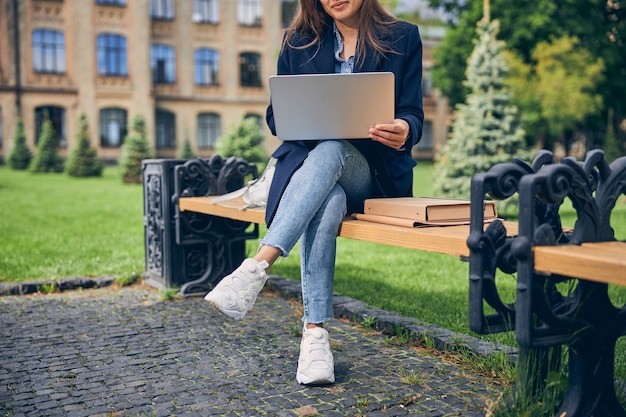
{"points": [[331, 106]]}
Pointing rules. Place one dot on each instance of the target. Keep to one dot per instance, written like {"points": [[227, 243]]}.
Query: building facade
{"points": [[191, 68]]}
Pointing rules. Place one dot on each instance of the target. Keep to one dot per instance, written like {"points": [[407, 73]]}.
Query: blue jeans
{"points": [[334, 178]]}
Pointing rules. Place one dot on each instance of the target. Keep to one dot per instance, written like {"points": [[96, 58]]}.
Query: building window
{"points": [[427, 83], [48, 51], [289, 8], [426, 143], [209, 129], [113, 122], [163, 64], [206, 11], [207, 64], [165, 129], [162, 9], [112, 2], [250, 12], [250, 69], [57, 116], [112, 55]]}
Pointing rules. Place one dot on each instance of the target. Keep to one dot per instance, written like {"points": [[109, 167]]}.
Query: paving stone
{"points": [[111, 351]]}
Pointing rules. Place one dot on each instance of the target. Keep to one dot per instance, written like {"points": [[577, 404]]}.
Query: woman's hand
{"points": [[391, 134]]}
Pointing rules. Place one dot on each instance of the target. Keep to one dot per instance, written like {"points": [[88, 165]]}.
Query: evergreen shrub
{"points": [[21, 155], [135, 149], [83, 160]]}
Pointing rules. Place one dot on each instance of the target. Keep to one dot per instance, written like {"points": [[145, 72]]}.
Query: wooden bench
{"points": [[545, 317], [449, 240]]}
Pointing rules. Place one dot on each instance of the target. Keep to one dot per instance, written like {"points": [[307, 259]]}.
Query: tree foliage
{"points": [[559, 90], [486, 129], [83, 160], [599, 26], [135, 149], [185, 151], [47, 158], [20, 155], [244, 140]]}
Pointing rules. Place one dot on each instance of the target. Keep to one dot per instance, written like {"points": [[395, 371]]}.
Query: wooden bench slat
{"points": [[449, 240], [598, 261]]}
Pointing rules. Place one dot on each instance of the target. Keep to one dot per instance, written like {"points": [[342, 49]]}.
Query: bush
{"points": [[185, 151], [47, 158], [245, 140], [83, 160], [135, 149], [20, 155]]}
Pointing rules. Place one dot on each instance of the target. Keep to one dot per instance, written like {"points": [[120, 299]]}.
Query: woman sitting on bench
{"points": [[316, 183]]}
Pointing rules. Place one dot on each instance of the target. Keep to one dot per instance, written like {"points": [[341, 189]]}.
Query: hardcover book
{"points": [[414, 211]]}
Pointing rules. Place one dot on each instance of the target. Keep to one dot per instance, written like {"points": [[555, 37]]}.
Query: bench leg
{"points": [[591, 389]]}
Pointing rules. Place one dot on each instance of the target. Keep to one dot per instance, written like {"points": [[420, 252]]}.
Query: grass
{"points": [[55, 226]]}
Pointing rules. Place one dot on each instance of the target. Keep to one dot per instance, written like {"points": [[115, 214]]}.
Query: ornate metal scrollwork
{"points": [[585, 318]]}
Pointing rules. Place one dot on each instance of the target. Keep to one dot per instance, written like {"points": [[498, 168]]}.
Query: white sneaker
{"points": [[236, 293], [315, 365]]}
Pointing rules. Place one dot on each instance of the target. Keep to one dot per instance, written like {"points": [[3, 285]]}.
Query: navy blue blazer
{"points": [[392, 170]]}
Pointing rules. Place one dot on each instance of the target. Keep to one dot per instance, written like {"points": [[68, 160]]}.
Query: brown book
{"points": [[427, 210]]}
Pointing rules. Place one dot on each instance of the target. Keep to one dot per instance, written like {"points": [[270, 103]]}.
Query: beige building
{"points": [[191, 68]]}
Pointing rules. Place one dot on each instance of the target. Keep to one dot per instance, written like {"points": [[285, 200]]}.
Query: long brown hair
{"points": [[373, 22]]}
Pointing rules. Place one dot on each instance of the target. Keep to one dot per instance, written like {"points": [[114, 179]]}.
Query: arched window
{"points": [[113, 127], [165, 129], [57, 117], [206, 66], [209, 130], [163, 64], [111, 53], [48, 51], [250, 69]]}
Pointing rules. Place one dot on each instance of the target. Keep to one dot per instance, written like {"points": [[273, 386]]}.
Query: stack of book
{"points": [[422, 211]]}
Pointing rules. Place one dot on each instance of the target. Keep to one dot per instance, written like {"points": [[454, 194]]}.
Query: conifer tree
{"points": [[245, 140], [20, 155], [486, 129], [47, 158], [135, 149], [83, 160], [185, 151]]}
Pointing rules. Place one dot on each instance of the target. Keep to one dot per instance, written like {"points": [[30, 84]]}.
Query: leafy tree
{"points": [[486, 129], [20, 155], [83, 160], [558, 91], [244, 140], [600, 27], [47, 158], [611, 148], [135, 149], [185, 151]]}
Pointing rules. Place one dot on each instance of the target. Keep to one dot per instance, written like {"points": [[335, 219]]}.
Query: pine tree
{"points": [[47, 158], [245, 140], [83, 160], [20, 155], [611, 147], [185, 151], [486, 129], [135, 149]]}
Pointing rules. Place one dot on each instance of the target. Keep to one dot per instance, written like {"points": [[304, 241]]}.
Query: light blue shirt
{"points": [[341, 65]]}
